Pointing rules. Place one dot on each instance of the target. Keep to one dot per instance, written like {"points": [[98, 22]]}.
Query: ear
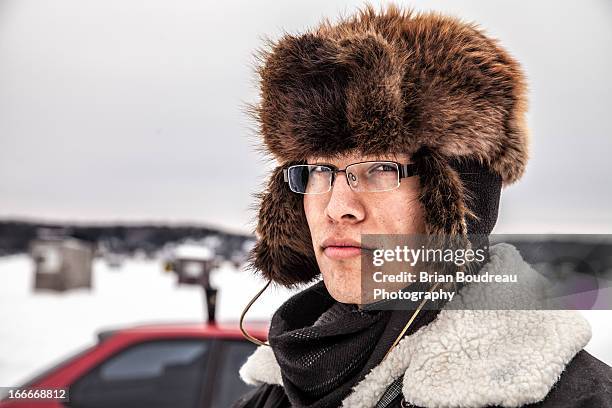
{"points": [[284, 252]]}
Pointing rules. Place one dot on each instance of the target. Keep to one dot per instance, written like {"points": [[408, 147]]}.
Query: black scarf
{"points": [[324, 348]]}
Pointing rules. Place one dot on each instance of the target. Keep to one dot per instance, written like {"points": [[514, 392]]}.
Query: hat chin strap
{"points": [[414, 315], [244, 312]]}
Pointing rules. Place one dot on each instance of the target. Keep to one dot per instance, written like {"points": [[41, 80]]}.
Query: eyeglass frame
{"points": [[404, 171]]}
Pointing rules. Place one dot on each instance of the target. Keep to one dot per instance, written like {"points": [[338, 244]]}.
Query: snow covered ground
{"points": [[40, 329]]}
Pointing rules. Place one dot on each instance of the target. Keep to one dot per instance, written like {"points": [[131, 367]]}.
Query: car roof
{"points": [[227, 329], [157, 331]]}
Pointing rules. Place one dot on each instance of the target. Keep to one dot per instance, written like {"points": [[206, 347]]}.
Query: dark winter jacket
{"points": [[472, 358]]}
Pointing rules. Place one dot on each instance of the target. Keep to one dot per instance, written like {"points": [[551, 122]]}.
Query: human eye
{"points": [[382, 168], [317, 168]]}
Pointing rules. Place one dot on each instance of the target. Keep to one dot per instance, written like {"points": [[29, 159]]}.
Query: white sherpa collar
{"points": [[468, 358]]}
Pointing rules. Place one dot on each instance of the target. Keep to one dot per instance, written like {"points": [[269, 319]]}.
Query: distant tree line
{"points": [[15, 236]]}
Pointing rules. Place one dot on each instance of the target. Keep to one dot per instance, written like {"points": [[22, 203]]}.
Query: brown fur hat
{"points": [[395, 81]]}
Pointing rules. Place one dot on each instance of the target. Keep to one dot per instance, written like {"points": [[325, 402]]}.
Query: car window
{"points": [[153, 374], [228, 385]]}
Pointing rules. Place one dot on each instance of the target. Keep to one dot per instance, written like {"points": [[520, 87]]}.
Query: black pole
{"points": [[211, 303]]}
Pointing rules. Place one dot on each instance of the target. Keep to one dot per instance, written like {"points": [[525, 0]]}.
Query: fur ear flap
{"points": [[284, 252], [442, 194]]}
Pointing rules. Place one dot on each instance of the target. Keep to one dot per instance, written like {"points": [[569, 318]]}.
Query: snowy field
{"points": [[40, 329]]}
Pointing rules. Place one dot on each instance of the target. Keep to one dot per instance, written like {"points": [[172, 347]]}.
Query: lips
{"points": [[340, 242], [342, 248]]}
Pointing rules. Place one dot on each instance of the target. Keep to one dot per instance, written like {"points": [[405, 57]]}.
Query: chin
{"points": [[344, 289]]}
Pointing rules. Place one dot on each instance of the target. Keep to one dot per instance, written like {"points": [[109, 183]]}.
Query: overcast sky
{"points": [[123, 110]]}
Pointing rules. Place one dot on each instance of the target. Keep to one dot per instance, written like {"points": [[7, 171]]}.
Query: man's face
{"points": [[345, 214]]}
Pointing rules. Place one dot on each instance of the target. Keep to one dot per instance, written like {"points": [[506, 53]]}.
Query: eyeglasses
{"points": [[368, 176]]}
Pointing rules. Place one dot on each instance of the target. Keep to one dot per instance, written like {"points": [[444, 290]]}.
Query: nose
{"points": [[344, 205]]}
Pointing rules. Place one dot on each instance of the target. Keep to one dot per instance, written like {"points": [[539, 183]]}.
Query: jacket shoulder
{"points": [[585, 382], [264, 396]]}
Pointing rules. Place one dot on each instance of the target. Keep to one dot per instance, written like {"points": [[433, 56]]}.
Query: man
{"points": [[398, 123]]}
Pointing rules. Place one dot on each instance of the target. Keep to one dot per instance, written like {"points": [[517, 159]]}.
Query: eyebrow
{"points": [[323, 164]]}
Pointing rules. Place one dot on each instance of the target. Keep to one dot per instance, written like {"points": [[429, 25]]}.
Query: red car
{"points": [[176, 365]]}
